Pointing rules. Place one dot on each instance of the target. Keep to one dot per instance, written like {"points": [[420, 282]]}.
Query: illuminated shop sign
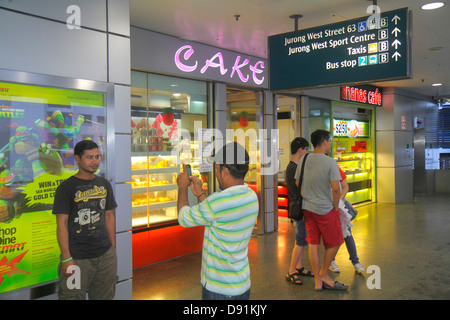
{"points": [[238, 67], [174, 56], [348, 128], [362, 94]]}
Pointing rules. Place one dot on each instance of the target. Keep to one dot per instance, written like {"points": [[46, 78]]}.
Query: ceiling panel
{"points": [[215, 22]]}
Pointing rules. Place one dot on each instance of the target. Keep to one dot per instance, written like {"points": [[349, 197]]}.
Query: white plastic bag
{"points": [[346, 218]]}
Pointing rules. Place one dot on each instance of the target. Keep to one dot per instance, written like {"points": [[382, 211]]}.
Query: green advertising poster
{"points": [[38, 128]]}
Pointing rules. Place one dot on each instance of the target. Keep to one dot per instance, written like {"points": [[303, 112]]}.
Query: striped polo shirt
{"points": [[229, 217]]}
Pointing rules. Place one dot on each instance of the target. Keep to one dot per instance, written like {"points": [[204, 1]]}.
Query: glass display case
{"points": [[154, 187], [352, 149], [165, 112]]}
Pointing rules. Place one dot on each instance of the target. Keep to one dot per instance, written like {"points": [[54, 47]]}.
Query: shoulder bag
{"points": [[295, 206]]}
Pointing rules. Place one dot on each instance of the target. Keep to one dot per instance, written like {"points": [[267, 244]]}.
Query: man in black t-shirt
{"points": [[299, 147], [84, 207]]}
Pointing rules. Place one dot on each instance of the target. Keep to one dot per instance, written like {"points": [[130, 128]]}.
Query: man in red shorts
{"points": [[321, 208]]}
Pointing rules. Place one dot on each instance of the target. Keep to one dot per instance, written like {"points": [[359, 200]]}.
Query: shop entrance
{"points": [[288, 123], [243, 118], [353, 134]]}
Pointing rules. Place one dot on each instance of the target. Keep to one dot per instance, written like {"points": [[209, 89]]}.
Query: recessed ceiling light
{"points": [[436, 84], [432, 5]]}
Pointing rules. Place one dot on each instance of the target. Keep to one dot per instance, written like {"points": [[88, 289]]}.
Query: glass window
{"points": [[319, 115], [285, 116], [243, 110], [164, 113]]}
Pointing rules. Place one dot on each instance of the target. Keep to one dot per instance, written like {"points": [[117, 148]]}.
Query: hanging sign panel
{"points": [[340, 53]]}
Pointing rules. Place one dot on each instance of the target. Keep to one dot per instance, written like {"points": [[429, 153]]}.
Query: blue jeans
{"points": [[351, 248], [300, 233], [209, 295]]}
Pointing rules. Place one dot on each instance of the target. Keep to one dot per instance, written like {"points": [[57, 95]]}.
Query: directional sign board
{"points": [[352, 51]]}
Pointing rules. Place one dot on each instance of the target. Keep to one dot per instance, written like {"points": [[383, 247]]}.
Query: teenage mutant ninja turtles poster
{"points": [[39, 127]]}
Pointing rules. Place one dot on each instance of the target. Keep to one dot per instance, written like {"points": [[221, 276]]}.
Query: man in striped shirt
{"points": [[229, 217]]}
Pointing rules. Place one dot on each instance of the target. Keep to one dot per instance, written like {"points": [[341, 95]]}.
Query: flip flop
{"points": [[307, 274], [337, 286], [291, 278]]}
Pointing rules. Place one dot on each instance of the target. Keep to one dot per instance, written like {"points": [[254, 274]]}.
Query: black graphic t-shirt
{"points": [[85, 201]]}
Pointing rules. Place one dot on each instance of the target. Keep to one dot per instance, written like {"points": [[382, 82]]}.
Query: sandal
{"points": [[305, 274], [293, 278], [337, 286]]}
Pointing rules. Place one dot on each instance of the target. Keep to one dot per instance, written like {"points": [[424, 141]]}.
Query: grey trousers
{"points": [[97, 277]]}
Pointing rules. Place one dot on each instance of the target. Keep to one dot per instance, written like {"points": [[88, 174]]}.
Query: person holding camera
{"points": [[229, 217]]}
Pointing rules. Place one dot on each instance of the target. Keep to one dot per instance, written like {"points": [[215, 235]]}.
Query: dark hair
{"points": [[319, 136], [84, 145], [298, 143], [235, 158]]}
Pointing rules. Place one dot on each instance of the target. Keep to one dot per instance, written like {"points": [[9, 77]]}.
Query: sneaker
{"points": [[359, 268], [333, 267]]}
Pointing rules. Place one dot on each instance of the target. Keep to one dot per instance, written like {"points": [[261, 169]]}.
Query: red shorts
{"points": [[328, 226]]}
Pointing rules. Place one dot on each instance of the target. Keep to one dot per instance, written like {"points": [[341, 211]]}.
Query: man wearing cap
{"points": [[229, 217]]}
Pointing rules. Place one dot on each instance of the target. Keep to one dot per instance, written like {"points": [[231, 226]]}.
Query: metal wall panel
{"points": [[92, 12], [119, 59], [403, 184], [48, 47], [386, 185], [119, 17], [122, 156], [123, 210], [124, 249], [122, 115]]}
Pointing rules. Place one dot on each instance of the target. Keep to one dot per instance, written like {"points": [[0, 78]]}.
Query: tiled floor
{"points": [[408, 242]]}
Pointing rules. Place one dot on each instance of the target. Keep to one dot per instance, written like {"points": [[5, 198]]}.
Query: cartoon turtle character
{"points": [[10, 197], [23, 147], [63, 130]]}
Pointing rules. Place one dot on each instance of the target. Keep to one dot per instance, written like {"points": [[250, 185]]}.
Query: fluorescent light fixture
{"points": [[432, 5], [436, 84], [176, 95]]}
